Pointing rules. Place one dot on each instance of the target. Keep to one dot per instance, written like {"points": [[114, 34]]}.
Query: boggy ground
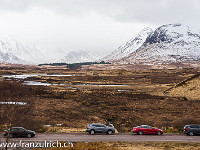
{"points": [[74, 101], [124, 110]]}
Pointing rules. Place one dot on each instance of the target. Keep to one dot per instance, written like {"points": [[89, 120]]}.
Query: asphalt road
{"points": [[73, 137]]}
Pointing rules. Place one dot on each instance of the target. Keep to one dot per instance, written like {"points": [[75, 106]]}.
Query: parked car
{"points": [[19, 132], [191, 129], [146, 129], [100, 128]]}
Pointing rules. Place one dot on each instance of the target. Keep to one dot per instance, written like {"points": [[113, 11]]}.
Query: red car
{"points": [[146, 129]]}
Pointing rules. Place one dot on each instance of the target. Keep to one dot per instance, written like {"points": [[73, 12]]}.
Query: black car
{"points": [[19, 132], [192, 129], [100, 128]]}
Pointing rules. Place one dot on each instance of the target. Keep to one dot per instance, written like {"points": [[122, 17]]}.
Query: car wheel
{"points": [[29, 135], [109, 132], [92, 132], [191, 133], [140, 133], [159, 133], [11, 135]]}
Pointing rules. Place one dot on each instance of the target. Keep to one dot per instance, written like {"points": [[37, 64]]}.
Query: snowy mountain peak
{"points": [[130, 46], [171, 33]]}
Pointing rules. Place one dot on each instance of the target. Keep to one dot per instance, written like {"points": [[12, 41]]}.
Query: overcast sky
{"points": [[94, 25]]}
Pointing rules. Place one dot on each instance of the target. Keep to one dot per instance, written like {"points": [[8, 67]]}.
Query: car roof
{"points": [[97, 124], [17, 127], [191, 124]]}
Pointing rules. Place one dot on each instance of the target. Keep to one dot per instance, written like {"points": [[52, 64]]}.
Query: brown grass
{"points": [[190, 90], [143, 104]]}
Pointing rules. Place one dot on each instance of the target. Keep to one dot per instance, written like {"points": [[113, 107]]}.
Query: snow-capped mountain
{"points": [[167, 44], [12, 51], [130, 46], [80, 56]]}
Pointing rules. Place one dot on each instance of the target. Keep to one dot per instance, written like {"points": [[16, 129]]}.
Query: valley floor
{"points": [[126, 98]]}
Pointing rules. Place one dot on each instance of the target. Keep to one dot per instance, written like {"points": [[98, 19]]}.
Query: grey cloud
{"points": [[161, 11], [145, 11], [62, 18]]}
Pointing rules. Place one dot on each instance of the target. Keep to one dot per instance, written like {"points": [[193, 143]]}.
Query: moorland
{"points": [[75, 98]]}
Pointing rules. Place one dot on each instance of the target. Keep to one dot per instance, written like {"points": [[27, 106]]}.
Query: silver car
{"points": [[100, 128]]}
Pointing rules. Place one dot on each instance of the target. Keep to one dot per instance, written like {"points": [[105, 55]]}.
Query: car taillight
{"points": [[186, 128], [88, 127], [5, 132]]}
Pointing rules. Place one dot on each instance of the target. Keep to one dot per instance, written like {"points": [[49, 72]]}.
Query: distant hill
{"points": [[80, 56]]}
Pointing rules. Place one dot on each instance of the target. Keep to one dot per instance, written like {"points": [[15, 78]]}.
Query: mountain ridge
{"points": [[130, 46], [171, 43]]}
